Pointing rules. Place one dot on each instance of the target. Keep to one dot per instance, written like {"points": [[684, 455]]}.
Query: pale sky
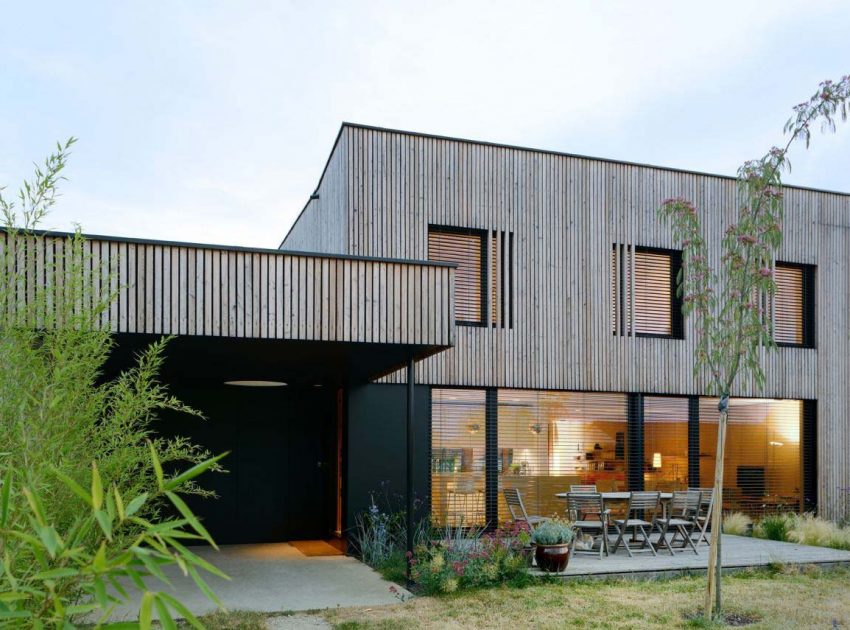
{"points": [[211, 121]]}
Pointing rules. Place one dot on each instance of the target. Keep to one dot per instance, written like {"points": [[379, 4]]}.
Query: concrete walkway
{"points": [[738, 552], [278, 578]]}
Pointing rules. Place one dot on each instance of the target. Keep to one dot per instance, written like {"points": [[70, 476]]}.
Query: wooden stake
{"points": [[712, 595]]}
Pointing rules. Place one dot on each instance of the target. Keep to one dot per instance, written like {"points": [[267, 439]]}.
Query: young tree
{"points": [[83, 496], [732, 324]]}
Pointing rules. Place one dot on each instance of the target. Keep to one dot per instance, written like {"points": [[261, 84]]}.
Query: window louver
{"points": [[793, 305], [763, 465], [550, 440], [458, 431], [643, 292], [466, 249]]}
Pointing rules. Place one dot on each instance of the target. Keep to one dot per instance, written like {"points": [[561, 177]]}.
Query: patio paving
{"points": [[276, 577], [738, 552]]}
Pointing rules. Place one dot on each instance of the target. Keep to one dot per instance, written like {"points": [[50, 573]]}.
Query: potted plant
{"points": [[526, 546], [553, 540]]}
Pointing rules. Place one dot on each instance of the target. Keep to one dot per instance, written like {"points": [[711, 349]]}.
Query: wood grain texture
{"points": [[566, 213], [171, 289]]}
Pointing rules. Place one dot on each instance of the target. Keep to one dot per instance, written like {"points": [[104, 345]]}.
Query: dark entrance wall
{"points": [[280, 466], [376, 456]]}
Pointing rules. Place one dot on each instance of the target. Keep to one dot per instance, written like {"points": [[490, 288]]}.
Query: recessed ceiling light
{"points": [[256, 383], [317, 385]]}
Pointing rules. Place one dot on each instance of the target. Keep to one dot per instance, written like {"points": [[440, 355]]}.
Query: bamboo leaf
{"points": [[193, 472], [146, 611], [189, 516], [96, 487], [157, 467]]}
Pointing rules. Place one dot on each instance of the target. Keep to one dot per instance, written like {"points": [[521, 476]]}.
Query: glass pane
{"points": [[665, 443], [762, 469], [458, 419], [549, 441]]}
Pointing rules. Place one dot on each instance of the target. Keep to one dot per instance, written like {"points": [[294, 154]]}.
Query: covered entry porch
{"points": [[268, 346]]}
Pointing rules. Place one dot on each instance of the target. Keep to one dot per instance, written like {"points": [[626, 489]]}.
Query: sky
{"points": [[210, 121]]}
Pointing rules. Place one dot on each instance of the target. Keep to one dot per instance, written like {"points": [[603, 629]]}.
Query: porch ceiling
{"points": [[297, 363]]}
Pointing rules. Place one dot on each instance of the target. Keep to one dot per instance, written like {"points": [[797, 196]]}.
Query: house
{"points": [[531, 296], [572, 362]]}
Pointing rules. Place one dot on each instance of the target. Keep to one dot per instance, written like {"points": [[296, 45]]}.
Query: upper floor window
{"points": [[794, 305], [466, 248], [501, 279], [643, 286]]}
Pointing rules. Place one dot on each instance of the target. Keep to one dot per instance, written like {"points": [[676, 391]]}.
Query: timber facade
{"points": [[556, 232]]}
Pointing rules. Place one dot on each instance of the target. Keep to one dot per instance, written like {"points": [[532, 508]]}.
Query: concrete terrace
{"points": [[738, 553]]}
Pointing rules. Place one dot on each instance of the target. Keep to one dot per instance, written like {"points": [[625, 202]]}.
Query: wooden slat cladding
{"points": [[165, 288], [467, 250], [788, 305], [564, 212]]}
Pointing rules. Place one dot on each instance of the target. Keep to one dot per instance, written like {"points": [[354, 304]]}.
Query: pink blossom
{"points": [[765, 272]]}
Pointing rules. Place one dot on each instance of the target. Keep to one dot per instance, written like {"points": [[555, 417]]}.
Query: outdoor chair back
{"points": [[680, 520], [583, 488], [587, 512], [644, 508], [513, 499], [703, 515]]}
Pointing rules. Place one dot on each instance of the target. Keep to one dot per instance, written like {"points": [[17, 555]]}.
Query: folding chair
{"points": [[680, 517], [702, 519], [513, 498], [581, 507], [644, 508]]}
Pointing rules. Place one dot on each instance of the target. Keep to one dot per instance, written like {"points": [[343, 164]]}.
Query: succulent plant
{"points": [[553, 532]]}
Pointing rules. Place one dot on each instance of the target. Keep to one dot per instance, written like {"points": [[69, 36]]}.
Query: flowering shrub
{"points": [[471, 559]]}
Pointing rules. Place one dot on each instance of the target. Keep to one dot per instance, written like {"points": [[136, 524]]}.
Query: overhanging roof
{"points": [[403, 307]]}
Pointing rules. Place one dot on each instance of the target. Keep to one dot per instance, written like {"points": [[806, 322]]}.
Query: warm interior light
{"points": [[473, 428], [775, 443], [656, 460], [256, 383]]}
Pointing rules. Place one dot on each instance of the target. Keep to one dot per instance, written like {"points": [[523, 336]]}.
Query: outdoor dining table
{"points": [[612, 497]]}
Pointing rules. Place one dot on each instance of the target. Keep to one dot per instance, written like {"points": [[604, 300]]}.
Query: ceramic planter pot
{"points": [[552, 558]]}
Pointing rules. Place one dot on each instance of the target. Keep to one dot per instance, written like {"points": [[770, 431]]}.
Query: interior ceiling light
{"points": [[256, 383]]}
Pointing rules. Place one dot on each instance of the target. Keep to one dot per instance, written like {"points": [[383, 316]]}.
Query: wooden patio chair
{"points": [[516, 507], [644, 508], [680, 517], [703, 515], [587, 512], [583, 488]]}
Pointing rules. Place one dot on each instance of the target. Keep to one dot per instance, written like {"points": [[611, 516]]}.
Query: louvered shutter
{"points": [[466, 250], [652, 294], [788, 304]]}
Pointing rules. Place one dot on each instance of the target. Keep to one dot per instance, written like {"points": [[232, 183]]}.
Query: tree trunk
{"points": [[712, 595]]}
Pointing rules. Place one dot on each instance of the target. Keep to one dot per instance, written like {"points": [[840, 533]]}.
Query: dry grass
{"points": [[736, 523], [788, 598]]}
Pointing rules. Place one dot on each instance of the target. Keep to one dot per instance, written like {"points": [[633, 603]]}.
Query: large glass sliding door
{"points": [[665, 436], [763, 470], [548, 441], [542, 442], [458, 429]]}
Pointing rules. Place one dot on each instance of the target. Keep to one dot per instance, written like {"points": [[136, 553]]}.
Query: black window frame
{"points": [[481, 234], [808, 306]]}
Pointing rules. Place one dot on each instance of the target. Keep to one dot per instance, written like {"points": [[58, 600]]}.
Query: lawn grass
{"points": [[781, 598]]}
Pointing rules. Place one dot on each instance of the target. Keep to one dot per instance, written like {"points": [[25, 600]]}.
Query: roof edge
{"points": [[515, 147]]}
